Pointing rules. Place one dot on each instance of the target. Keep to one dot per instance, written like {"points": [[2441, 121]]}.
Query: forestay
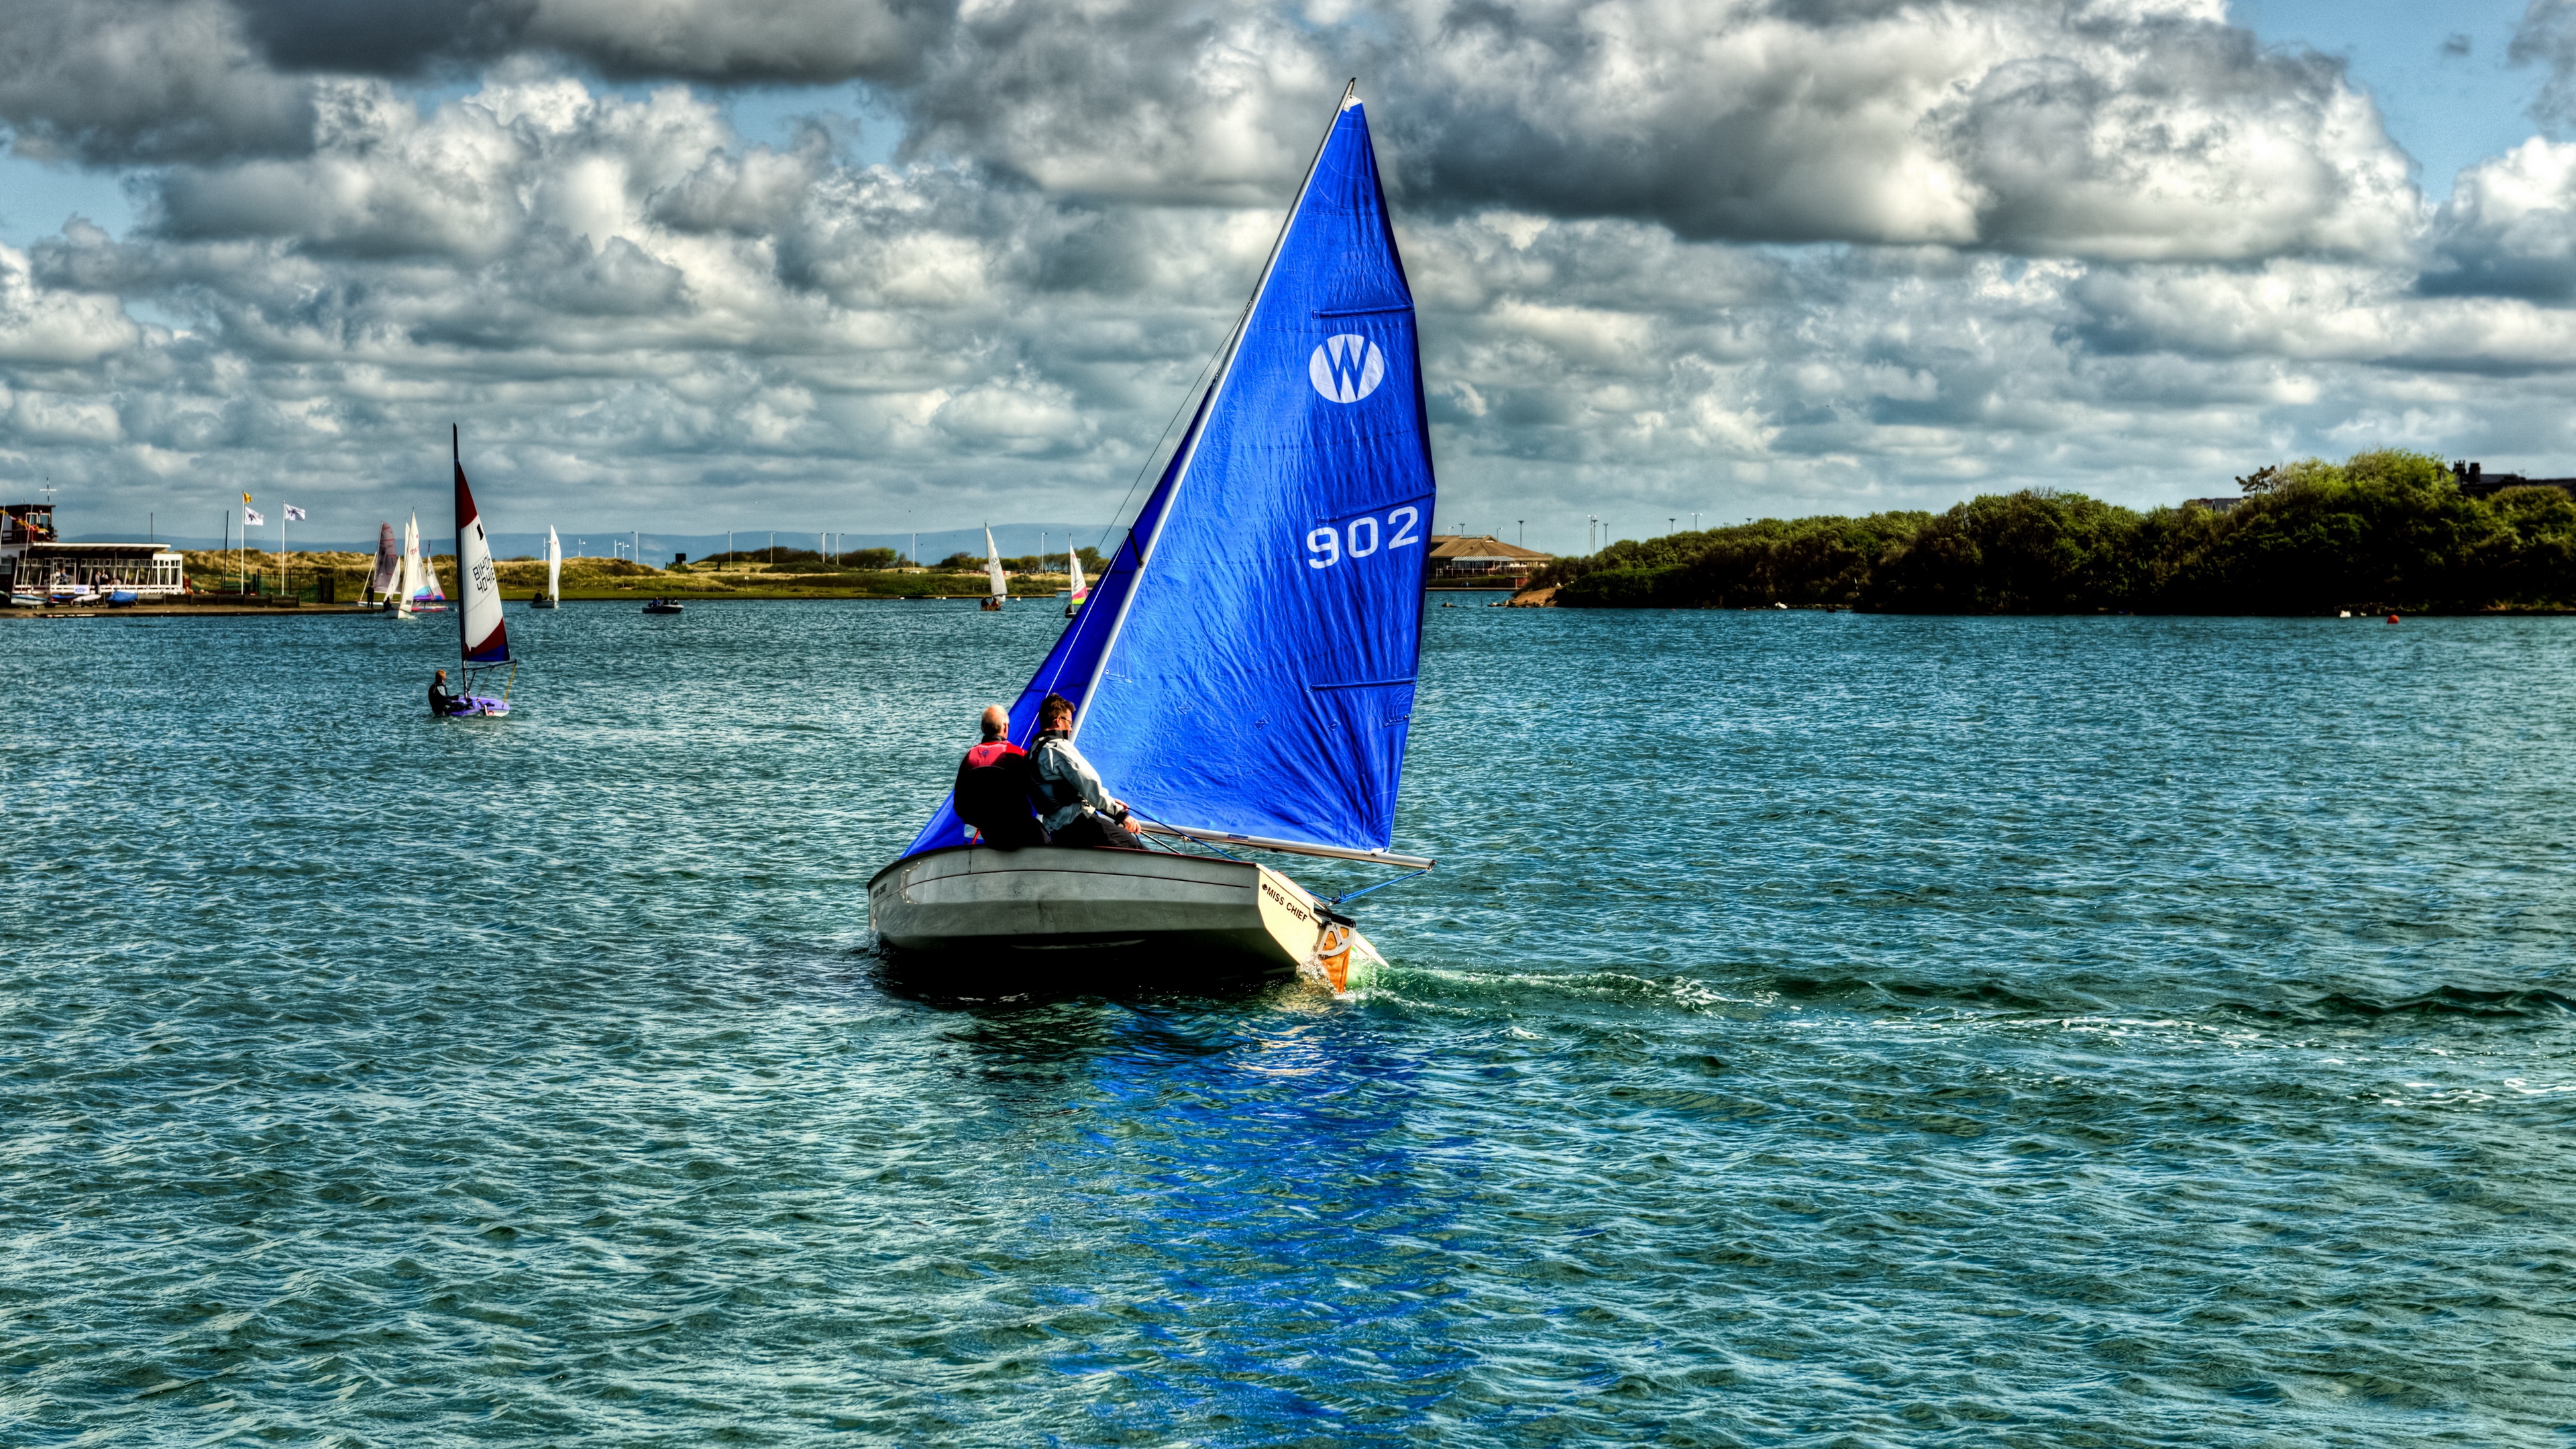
{"points": [[478, 619], [1245, 664]]}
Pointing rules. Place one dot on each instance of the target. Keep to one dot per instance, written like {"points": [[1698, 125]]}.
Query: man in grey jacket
{"points": [[1078, 809]]}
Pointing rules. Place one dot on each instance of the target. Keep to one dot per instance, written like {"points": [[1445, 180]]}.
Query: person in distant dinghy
{"points": [[441, 702], [994, 788], [1074, 806]]}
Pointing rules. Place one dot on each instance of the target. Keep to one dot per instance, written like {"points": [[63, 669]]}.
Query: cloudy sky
{"points": [[872, 265]]}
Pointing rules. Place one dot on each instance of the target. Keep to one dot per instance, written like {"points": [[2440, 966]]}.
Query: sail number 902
{"points": [[1360, 537]]}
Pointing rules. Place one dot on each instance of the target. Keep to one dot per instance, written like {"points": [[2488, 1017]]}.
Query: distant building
{"points": [[1461, 561], [2476, 482], [34, 561], [2214, 505]]}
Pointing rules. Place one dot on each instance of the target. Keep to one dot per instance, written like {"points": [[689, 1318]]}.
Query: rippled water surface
{"points": [[1823, 1029]]}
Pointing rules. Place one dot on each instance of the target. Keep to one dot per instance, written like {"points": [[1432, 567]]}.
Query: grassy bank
{"points": [[606, 578], [2379, 531]]}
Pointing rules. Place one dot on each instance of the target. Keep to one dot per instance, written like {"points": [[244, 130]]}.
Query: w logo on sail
{"points": [[1346, 368]]}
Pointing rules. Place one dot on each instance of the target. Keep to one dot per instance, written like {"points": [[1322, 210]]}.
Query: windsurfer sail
{"points": [[1244, 669], [1073, 565]]}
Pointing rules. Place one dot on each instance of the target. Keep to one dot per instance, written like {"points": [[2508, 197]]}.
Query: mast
{"points": [[1216, 392], [464, 646]]}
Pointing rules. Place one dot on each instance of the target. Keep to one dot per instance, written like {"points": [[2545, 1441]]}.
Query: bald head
{"points": [[997, 722]]}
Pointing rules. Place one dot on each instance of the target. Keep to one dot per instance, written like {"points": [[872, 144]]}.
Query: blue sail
{"points": [[1246, 665]]}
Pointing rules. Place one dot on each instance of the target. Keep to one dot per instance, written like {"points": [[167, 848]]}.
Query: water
{"points": [[1823, 1030]]}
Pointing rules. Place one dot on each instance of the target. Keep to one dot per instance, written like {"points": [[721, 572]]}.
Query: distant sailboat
{"points": [[1245, 677], [554, 571], [420, 591], [380, 586], [1073, 602], [993, 572], [483, 637]]}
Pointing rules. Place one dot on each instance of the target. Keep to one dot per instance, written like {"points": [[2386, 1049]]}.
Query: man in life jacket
{"points": [[993, 788], [1072, 804]]}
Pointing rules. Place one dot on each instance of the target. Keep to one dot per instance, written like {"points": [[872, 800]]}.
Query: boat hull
{"points": [[1046, 910]]}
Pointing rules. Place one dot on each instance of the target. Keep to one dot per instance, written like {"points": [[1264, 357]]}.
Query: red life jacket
{"points": [[993, 788]]}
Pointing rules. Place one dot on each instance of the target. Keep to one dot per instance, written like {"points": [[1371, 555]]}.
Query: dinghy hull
{"points": [[1032, 911]]}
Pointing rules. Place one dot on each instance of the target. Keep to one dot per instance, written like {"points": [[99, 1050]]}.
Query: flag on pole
{"points": [[251, 518], [294, 514], [245, 500]]}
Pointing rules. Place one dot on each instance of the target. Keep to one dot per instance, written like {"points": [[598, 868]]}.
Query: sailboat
{"points": [[380, 584], [554, 572], [483, 638], [1243, 674], [420, 591], [993, 572], [1074, 596]]}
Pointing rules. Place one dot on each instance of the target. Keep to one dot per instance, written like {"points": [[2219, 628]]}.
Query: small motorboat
{"points": [[664, 606]]}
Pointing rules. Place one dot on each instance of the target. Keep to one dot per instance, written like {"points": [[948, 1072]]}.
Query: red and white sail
{"points": [[478, 617]]}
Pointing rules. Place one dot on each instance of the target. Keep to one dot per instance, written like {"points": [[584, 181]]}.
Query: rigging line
{"points": [[1154, 837], [1364, 890], [1156, 451], [1216, 390]]}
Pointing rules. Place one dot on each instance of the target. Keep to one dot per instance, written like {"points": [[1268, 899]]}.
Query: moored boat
{"points": [[1243, 671], [664, 606]]}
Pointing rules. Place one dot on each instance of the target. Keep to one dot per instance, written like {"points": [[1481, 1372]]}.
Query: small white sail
{"points": [[408, 584], [421, 593], [993, 566], [554, 564]]}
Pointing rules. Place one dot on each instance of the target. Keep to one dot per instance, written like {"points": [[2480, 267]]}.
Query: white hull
{"points": [[1115, 913]]}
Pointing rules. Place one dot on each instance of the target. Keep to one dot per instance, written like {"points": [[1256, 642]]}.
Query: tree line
{"points": [[1030, 563], [2383, 530]]}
